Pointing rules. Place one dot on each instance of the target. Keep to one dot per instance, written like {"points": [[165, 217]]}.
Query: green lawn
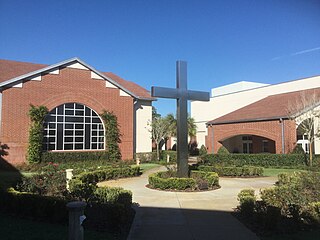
{"points": [[273, 172], [147, 166], [13, 228]]}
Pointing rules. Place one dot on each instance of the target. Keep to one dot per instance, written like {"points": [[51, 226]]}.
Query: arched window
{"points": [[73, 126]]}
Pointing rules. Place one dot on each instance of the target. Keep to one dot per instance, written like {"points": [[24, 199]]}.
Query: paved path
{"points": [[195, 216]]}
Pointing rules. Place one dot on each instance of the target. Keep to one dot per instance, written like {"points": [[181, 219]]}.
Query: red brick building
{"points": [[75, 94], [263, 126]]}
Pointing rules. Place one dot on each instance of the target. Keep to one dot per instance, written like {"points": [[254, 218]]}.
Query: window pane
{"points": [[69, 105], [79, 106], [60, 137], [79, 113]]}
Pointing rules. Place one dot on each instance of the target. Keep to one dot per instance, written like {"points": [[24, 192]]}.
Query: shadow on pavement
{"points": [[175, 223]]}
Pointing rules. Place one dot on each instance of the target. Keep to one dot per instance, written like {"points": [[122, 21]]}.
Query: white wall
{"points": [[143, 112], [218, 106]]}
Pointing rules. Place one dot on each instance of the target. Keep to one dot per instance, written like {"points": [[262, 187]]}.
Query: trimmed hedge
{"points": [[165, 181], [50, 209], [172, 154], [108, 215], [65, 157], [294, 203], [262, 160], [107, 174], [233, 171]]}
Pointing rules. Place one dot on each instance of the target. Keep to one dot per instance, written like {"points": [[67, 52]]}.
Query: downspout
{"points": [[282, 135]]}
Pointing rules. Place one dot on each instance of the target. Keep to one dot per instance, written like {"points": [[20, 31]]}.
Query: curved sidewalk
{"points": [[178, 215]]}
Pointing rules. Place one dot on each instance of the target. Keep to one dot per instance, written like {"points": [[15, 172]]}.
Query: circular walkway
{"points": [[180, 215]]}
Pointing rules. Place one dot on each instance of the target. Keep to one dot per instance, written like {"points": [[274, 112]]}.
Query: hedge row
{"points": [[233, 171], [108, 173], [65, 157], [50, 209], [107, 215], [262, 160], [197, 180]]}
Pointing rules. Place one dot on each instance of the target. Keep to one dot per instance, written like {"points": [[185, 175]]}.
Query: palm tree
{"points": [[192, 127]]}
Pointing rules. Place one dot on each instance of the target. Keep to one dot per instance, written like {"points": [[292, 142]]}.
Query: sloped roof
{"points": [[269, 108], [14, 71], [11, 69]]}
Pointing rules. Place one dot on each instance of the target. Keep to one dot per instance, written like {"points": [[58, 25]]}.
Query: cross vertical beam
{"points": [[182, 94], [182, 120]]}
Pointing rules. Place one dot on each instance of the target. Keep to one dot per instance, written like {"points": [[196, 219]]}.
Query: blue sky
{"points": [[222, 41]]}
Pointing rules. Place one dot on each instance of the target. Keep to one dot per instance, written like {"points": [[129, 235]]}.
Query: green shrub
{"points": [[223, 151], [172, 155], [262, 160], [112, 135], [298, 150], [51, 209], [211, 179], [245, 171], [82, 191], [169, 181], [34, 151], [108, 173], [294, 194], [51, 181], [203, 150], [113, 196], [65, 157], [247, 200], [146, 157]]}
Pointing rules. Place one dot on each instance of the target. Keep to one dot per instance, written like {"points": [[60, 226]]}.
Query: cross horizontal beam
{"points": [[172, 93]]}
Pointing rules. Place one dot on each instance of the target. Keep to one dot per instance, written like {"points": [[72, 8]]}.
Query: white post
{"points": [[69, 176], [168, 158]]}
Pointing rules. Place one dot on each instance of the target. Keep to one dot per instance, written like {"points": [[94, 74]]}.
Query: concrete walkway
{"points": [[198, 215]]}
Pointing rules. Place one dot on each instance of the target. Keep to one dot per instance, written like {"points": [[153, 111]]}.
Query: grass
{"points": [[273, 172], [147, 166], [13, 228]]}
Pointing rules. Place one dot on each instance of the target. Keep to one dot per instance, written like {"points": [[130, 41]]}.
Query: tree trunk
{"points": [[158, 154], [310, 154]]}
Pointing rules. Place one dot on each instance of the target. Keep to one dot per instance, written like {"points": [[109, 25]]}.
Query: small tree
{"points": [[305, 113], [112, 135], [37, 115], [159, 130]]}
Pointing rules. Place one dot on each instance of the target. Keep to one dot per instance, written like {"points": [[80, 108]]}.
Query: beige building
{"points": [[229, 98]]}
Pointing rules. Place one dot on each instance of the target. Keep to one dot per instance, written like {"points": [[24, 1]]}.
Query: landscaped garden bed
{"points": [[233, 171], [292, 205], [198, 181], [43, 196]]}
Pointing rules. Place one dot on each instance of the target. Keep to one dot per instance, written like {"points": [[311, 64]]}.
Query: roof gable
{"points": [[269, 108], [13, 73]]}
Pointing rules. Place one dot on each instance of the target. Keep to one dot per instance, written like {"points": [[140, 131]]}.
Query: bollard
{"points": [[76, 217], [168, 158], [69, 176]]}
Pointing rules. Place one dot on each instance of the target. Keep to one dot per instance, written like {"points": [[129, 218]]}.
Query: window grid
{"points": [[73, 126]]}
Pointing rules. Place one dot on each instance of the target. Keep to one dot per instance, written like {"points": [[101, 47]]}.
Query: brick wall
{"points": [[267, 129], [70, 85]]}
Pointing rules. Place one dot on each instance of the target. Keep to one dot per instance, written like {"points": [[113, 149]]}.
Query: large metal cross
{"points": [[182, 94]]}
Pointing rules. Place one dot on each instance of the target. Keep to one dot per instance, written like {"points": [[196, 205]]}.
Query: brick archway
{"points": [[257, 132], [57, 100]]}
